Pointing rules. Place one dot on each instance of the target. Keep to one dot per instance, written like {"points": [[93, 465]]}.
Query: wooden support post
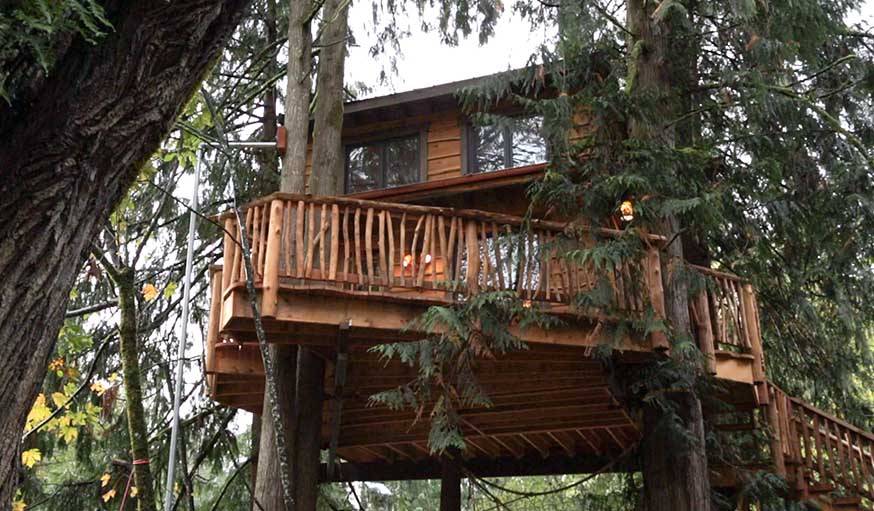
{"points": [[706, 342], [270, 290], [776, 435], [228, 253], [309, 396], [339, 386], [212, 332], [751, 316], [450, 485], [653, 274], [472, 257]]}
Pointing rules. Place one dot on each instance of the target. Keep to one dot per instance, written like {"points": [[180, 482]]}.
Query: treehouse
{"points": [[432, 215]]}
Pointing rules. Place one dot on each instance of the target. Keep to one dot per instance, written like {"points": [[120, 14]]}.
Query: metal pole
{"points": [[186, 296], [183, 336]]}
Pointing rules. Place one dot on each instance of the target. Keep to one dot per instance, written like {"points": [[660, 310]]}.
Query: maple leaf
{"points": [[30, 457], [134, 491], [104, 479], [149, 292], [38, 412], [19, 505], [59, 398]]}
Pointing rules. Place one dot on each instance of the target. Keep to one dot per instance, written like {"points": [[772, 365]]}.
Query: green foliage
{"points": [[29, 31]]}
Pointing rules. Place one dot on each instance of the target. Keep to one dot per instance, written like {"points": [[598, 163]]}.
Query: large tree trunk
{"points": [[70, 145], [674, 465], [328, 155], [130, 366], [267, 486]]}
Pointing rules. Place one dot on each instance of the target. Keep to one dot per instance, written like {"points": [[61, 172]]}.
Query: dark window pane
{"points": [[402, 161], [529, 145], [488, 150], [364, 168]]}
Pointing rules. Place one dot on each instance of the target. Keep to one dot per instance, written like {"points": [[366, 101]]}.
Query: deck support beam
{"points": [[309, 396], [339, 385], [450, 483]]}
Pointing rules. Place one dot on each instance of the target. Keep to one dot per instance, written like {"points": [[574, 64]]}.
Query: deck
{"points": [[331, 267]]}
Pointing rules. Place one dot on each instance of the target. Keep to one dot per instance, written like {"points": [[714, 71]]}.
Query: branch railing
{"points": [[445, 254], [816, 448], [440, 253], [725, 316]]}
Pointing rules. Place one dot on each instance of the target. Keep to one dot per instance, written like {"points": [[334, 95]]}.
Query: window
{"points": [[383, 164], [506, 143]]}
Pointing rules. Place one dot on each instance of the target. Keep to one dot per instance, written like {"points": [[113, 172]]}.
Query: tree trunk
{"points": [[70, 145], [674, 465], [297, 97], [328, 155], [310, 396], [268, 486], [133, 390]]}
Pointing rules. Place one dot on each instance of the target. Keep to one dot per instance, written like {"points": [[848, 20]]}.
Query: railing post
{"points": [[776, 433], [215, 322], [751, 318], [705, 330], [653, 274], [472, 256], [228, 253], [270, 286]]}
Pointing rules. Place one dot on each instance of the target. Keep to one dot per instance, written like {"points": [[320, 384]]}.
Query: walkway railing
{"points": [[819, 448]]}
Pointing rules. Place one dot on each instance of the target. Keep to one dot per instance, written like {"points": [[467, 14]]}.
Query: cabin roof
{"points": [[442, 90]]}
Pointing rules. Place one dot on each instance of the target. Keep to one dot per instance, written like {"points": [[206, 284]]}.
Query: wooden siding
{"points": [[443, 132]]}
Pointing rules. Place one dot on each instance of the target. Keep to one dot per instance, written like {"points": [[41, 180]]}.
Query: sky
{"points": [[425, 61]]}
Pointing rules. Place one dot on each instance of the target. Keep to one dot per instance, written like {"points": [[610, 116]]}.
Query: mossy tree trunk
{"points": [[674, 462], [133, 390]]}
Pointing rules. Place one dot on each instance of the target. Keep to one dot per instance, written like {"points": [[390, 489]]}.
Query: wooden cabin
{"points": [[431, 214]]}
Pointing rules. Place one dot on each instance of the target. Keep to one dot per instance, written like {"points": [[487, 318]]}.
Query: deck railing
{"points": [[725, 315], [440, 252], [818, 449], [445, 254]]}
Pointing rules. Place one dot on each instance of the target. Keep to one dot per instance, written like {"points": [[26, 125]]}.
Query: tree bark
{"points": [[674, 465], [297, 97], [268, 487], [130, 366], [308, 403], [70, 145], [328, 155]]}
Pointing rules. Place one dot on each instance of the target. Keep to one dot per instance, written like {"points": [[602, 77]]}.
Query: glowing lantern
{"points": [[626, 210]]}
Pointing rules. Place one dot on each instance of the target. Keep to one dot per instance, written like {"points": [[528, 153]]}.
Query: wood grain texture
{"points": [[68, 154]]}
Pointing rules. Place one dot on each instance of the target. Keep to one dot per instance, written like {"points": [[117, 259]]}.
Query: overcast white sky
{"points": [[427, 62]]}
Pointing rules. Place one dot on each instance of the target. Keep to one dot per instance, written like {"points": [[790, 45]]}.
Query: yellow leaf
{"points": [[98, 388], [104, 480], [59, 398], [149, 292], [39, 412], [56, 364], [113, 377], [69, 433], [30, 457], [108, 495], [134, 491], [19, 505]]}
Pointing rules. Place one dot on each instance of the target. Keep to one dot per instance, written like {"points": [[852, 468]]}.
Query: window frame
{"points": [[469, 140], [421, 133]]}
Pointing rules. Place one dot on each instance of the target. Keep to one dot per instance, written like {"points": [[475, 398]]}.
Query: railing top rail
{"points": [[472, 214], [825, 415], [716, 273]]}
